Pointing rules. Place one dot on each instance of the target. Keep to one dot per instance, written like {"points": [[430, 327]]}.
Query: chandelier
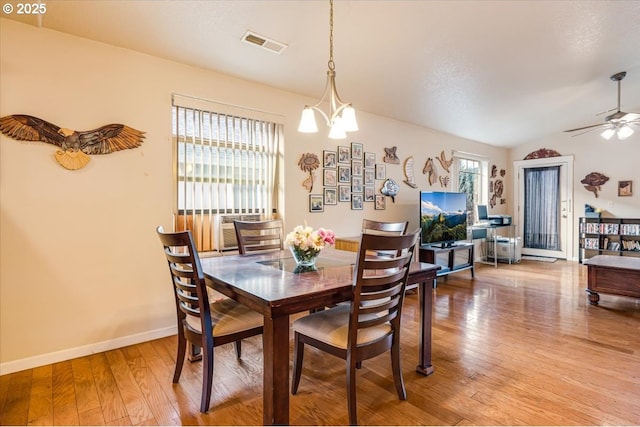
{"points": [[621, 129], [341, 117]]}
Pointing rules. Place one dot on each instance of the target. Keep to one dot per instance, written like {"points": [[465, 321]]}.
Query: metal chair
{"points": [[203, 324], [259, 236], [370, 324]]}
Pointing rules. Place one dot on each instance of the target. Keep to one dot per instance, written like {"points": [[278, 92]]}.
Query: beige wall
{"points": [[81, 269]]}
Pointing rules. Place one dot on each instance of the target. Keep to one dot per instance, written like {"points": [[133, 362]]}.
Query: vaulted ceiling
{"points": [[499, 72]]}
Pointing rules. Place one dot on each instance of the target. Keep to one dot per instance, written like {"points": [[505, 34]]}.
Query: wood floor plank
{"points": [[517, 345]]}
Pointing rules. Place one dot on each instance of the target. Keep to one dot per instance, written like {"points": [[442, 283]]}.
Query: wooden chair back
{"points": [[379, 227], [259, 236]]}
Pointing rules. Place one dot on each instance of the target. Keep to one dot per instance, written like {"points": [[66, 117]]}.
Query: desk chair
{"points": [[203, 324], [259, 236], [370, 324]]}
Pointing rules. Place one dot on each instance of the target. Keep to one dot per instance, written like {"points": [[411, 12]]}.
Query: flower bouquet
{"points": [[306, 243]]}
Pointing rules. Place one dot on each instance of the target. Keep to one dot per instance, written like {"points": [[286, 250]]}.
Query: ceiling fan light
{"points": [[608, 133], [625, 132], [349, 121], [308, 121]]}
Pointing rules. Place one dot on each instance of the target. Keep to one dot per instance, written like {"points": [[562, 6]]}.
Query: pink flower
{"points": [[327, 236]]}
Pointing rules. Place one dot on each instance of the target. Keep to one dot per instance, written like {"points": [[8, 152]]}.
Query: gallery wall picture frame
{"points": [[369, 193], [369, 177], [356, 168], [369, 160], [344, 174], [380, 202], [357, 202], [625, 189], [329, 159], [357, 185], [357, 152], [344, 193], [331, 196], [344, 154], [330, 178], [381, 171], [316, 203]]}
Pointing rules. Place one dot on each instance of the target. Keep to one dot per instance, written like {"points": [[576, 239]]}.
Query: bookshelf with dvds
{"points": [[608, 236]]}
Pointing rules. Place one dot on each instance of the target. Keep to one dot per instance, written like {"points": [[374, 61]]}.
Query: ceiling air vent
{"points": [[264, 42]]}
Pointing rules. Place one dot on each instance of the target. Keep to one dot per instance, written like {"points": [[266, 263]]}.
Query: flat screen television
{"points": [[443, 218]]}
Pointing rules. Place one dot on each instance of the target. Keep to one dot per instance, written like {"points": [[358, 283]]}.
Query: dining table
{"points": [[273, 285]]}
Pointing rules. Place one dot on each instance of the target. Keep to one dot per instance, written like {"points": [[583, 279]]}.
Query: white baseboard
{"points": [[85, 350]]}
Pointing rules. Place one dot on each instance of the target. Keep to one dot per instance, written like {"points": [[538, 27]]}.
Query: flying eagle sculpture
{"points": [[75, 145]]}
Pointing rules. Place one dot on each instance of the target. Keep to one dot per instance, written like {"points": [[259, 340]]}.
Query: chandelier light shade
{"points": [[341, 117], [621, 130]]}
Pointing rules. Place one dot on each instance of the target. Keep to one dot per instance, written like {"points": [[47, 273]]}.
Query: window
{"points": [[225, 163], [471, 175]]}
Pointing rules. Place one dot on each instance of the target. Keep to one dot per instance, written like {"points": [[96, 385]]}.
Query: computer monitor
{"points": [[483, 215]]}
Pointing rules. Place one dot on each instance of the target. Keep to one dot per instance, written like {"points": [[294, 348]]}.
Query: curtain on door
{"points": [[542, 202]]}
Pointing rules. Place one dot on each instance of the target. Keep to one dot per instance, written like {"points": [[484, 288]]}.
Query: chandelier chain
{"points": [[331, 64]]}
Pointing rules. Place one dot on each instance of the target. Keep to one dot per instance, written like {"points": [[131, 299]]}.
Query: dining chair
{"points": [[200, 322], [381, 227], [370, 324], [259, 236]]}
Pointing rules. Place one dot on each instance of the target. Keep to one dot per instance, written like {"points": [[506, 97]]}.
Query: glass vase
{"points": [[304, 258]]}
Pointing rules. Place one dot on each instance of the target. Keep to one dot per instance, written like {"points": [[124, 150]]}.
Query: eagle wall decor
{"points": [[75, 145]]}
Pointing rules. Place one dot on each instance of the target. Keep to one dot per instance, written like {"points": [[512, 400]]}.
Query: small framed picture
{"points": [[329, 159], [624, 188], [356, 151], [330, 178], [344, 193], [344, 174], [380, 202], [316, 203], [356, 201], [356, 184], [369, 193], [369, 177], [356, 167], [370, 160], [381, 171], [344, 154], [331, 196]]}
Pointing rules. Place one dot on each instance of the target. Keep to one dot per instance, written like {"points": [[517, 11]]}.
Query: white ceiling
{"points": [[499, 72]]}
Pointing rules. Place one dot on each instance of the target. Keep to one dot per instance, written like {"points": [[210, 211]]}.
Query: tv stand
{"points": [[429, 253]]}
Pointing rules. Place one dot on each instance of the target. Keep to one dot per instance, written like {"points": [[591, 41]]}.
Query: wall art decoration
{"points": [[76, 146], [309, 162], [624, 189], [408, 172], [381, 171], [356, 168], [390, 188], [330, 178], [429, 169], [369, 193], [446, 164], [344, 154], [593, 182], [344, 193], [498, 188], [369, 176], [344, 174], [390, 156], [316, 203], [503, 172], [542, 153], [357, 201], [356, 151], [329, 159], [369, 160], [331, 196], [444, 181], [357, 184], [494, 171], [380, 202]]}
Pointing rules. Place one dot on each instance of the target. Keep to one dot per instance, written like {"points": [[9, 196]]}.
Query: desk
{"points": [[264, 283], [490, 235]]}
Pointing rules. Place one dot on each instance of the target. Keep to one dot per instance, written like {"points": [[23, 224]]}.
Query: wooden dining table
{"points": [[272, 284]]}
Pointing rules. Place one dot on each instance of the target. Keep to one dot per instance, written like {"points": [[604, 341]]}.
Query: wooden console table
{"points": [[609, 274], [429, 254]]}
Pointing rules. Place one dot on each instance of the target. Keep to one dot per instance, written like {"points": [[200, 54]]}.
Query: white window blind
{"points": [[225, 163]]}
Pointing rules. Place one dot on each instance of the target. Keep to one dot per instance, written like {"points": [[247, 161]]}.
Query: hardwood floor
{"points": [[519, 345]]}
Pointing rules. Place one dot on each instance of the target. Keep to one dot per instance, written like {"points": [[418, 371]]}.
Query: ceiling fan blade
{"points": [[587, 127], [586, 131]]}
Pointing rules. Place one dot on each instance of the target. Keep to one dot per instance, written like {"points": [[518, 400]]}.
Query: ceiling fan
{"points": [[618, 123]]}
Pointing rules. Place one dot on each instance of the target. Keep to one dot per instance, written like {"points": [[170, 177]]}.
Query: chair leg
{"points": [[238, 349], [207, 378], [351, 392], [298, 355], [182, 351], [396, 368]]}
